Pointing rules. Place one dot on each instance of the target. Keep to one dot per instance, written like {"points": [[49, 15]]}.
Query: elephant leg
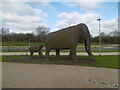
{"points": [[73, 54], [87, 47], [57, 52], [70, 54], [31, 53], [40, 53], [47, 53]]}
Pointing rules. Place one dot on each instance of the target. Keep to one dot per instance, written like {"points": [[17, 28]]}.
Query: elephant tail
{"points": [[88, 47]]}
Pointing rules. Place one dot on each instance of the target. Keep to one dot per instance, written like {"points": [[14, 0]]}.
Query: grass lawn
{"points": [[80, 45], [19, 43], [107, 61], [101, 61], [0, 58]]}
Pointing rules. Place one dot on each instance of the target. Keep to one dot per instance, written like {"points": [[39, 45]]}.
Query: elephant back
{"points": [[63, 37]]}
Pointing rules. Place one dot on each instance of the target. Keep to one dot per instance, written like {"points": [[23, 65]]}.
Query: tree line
{"points": [[38, 36], [40, 33], [110, 38]]}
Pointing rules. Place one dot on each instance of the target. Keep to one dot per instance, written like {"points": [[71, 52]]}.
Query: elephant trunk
{"points": [[88, 47]]}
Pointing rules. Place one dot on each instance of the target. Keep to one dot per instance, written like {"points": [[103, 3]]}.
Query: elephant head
{"points": [[36, 48]]}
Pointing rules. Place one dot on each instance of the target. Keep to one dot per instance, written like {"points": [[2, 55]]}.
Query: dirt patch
{"points": [[53, 60]]}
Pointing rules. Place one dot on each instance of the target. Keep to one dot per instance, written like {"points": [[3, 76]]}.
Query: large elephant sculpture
{"points": [[68, 38]]}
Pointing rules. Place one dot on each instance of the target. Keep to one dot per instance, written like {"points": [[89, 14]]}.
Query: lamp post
{"points": [[99, 37], [29, 42]]}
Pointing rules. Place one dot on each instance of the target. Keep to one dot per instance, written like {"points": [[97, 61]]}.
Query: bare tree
{"points": [[41, 32], [102, 34], [4, 31], [115, 33]]}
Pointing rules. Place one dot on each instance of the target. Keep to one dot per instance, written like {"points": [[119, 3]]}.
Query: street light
{"points": [[99, 37], [29, 42]]}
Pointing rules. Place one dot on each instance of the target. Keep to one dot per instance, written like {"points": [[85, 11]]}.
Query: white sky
{"points": [[22, 17]]}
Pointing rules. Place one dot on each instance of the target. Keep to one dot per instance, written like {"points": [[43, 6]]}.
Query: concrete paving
{"points": [[16, 75], [62, 53], [0, 75]]}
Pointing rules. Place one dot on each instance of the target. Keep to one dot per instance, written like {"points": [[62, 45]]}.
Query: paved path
{"points": [[63, 53], [25, 49], [17, 75]]}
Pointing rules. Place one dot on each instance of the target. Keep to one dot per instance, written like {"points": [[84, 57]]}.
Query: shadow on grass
{"points": [[84, 61]]}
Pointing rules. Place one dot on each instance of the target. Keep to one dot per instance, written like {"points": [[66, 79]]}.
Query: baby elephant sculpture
{"points": [[36, 48], [68, 38]]}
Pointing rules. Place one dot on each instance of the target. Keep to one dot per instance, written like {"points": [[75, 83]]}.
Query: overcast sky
{"points": [[25, 17]]}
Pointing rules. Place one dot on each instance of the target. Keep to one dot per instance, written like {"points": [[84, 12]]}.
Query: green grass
{"points": [[19, 43], [108, 61], [27, 43], [0, 58]]}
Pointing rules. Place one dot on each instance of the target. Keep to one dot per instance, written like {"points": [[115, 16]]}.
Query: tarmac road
{"points": [[62, 53], [16, 75], [18, 49]]}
